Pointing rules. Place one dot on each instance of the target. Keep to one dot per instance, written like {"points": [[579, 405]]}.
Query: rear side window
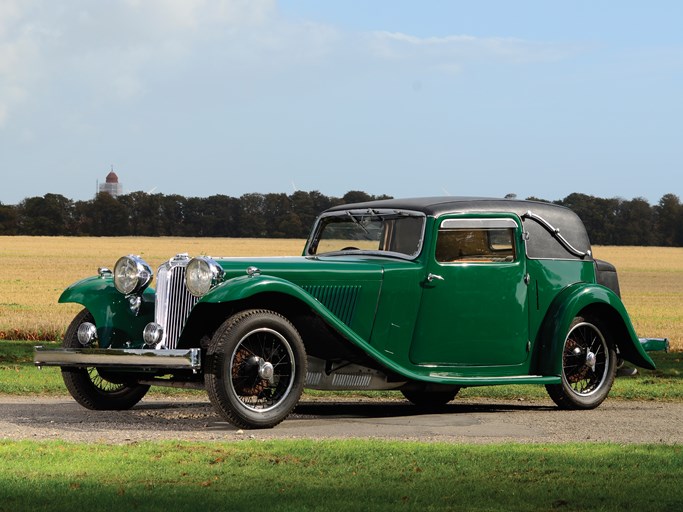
{"points": [[476, 241]]}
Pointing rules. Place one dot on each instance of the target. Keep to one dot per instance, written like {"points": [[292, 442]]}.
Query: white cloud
{"points": [[106, 51], [15, 75], [102, 52], [451, 52], [10, 10]]}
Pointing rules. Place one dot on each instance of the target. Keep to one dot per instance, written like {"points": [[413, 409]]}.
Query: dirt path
{"points": [[465, 420]]}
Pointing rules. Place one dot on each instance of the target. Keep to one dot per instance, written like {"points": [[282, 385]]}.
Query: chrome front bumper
{"points": [[189, 359]]}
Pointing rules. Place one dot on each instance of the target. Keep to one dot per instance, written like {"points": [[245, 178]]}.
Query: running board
{"points": [[494, 381]]}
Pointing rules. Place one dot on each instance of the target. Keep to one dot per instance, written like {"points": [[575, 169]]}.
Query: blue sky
{"points": [[406, 98]]}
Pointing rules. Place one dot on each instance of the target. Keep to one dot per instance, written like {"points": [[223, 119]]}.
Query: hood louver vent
{"points": [[339, 299]]}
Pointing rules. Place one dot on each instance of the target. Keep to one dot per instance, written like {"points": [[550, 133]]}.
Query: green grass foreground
{"points": [[341, 475], [18, 376]]}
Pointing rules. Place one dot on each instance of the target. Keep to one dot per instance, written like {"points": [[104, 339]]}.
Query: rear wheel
{"points": [[430, 399], [589, 365], [256, 368], [92, 388]]}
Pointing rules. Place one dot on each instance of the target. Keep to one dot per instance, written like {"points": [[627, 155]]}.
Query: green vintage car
{"points": [[424, 295]]}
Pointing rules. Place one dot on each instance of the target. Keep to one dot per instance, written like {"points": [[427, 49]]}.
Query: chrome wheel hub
{"points": [[266, 370], [591, 360]]}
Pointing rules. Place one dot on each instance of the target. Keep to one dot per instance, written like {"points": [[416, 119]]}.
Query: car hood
{"points": [[305, 270]]}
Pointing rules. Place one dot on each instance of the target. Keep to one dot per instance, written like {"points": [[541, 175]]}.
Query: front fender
{"points": [[245, 287], [602, 302], [116, 323]]}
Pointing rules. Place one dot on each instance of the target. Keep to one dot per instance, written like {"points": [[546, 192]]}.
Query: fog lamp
{"points": [[152, 334], [86, 334]]}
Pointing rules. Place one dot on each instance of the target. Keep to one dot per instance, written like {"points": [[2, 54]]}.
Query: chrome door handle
{"points": [[431, 277]]}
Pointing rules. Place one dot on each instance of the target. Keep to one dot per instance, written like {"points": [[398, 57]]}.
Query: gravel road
{"points": [[464, 420]]}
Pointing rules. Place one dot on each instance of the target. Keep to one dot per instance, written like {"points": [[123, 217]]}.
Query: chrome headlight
{"points": [[131, 275], [201, 275]]}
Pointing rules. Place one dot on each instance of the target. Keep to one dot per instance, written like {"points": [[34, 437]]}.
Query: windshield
{"points": [[390, 232]]}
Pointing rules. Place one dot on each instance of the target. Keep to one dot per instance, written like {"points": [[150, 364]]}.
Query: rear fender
{"points": [[599, 301]]}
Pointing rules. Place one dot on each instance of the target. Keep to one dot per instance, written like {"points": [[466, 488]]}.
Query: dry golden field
{"points": [[651, 281], [35, 270]]}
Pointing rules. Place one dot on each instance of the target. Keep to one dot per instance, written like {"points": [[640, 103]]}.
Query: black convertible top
{"points": [[436, 206], [546, 223]]}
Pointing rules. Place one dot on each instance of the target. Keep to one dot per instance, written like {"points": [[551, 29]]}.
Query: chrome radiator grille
{"points": [[173, 302]]}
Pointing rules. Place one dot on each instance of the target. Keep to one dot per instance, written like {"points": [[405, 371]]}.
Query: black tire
{"points": [[430, 399], [95, 390], [256, 369], [589, 365]]}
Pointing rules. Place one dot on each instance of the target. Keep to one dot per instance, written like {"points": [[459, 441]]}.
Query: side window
{"points": [[476, 241]]}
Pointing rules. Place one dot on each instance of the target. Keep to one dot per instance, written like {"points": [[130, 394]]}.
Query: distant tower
{"points": [[111, 185]]}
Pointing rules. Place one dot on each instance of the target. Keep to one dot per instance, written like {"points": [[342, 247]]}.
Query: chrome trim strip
{"points": [[501, 223], [556, 233], [189, 359]]}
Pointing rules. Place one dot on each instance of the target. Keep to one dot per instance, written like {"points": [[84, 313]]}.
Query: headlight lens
{"points": [[131, 274], [201, 275]]}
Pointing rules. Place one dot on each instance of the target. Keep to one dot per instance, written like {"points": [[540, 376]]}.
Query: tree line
{"points": [[612, 221], [142, 214]]}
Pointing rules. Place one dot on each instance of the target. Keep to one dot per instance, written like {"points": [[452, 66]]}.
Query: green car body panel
{"points": [[424, 295], [116, 324], [421, 330]]}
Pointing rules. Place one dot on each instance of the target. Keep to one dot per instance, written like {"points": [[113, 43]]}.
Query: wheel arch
{"points": [[319, 329], [592, 300]]}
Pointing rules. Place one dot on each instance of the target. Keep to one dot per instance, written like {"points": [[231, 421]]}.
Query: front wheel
{"points": [[95, 390], [589, 365], [256, 368]]}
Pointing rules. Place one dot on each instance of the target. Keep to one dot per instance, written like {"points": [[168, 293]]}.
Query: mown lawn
{"points": [[340, 475]]}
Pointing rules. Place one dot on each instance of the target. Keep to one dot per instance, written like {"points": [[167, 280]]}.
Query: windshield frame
{"points": [[356, 213]]}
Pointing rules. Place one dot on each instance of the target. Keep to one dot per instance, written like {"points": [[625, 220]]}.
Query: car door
{"points": [[474, 301]]}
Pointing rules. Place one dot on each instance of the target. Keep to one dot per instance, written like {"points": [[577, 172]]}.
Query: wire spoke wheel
{"points": [[94, 388], [102, 384], [588, 366], [262, 369], [256, 368], [585, 359]]}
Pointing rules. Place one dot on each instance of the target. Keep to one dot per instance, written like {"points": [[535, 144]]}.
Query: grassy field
{"points": [[353, 475], [35, 270]]}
